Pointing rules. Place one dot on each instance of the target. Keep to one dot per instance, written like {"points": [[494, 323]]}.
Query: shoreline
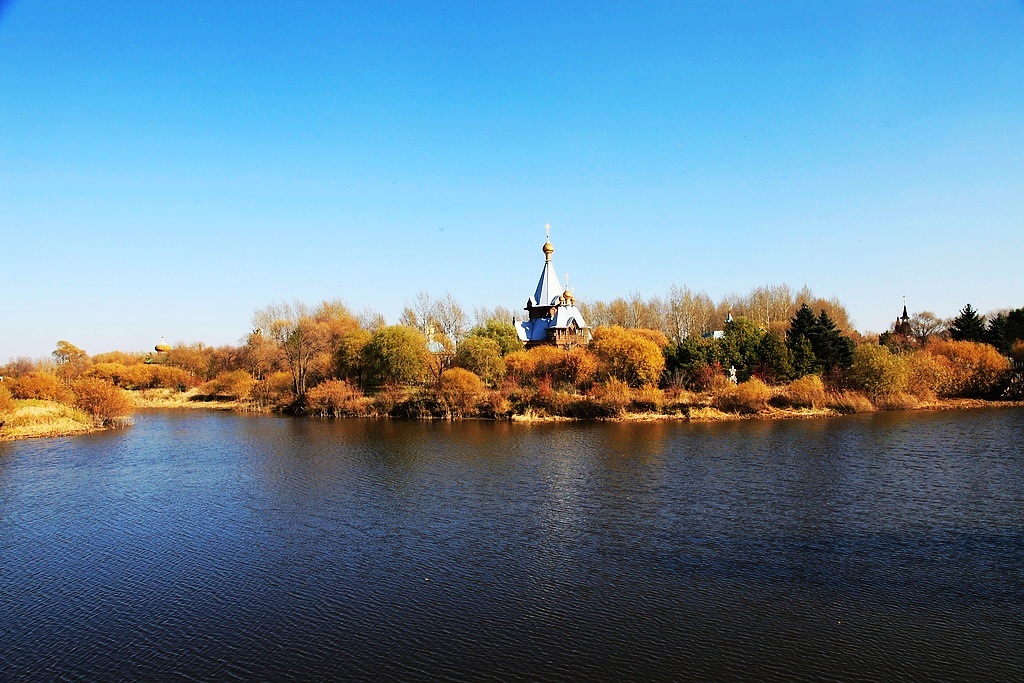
{"points": [[48, 419]]}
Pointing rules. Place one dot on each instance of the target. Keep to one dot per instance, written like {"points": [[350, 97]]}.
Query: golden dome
{"points": [[548, 250], [162, 347]]}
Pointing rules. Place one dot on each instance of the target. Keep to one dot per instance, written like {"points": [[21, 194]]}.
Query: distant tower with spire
{"points": [[554, 318], [902, 326]]}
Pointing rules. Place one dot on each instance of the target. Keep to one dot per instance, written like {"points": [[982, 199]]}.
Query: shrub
{"points": [[849, 402], [747, 397], [234, 384], [925, 374], [877, 372], [336, 398], [974, 369], [6, 401], [459, 390], [590, 408], [805, 392], [496, 404], [40, 385], [106, 403], [273, 391], [578, 368], [167, 377], [646, 399], [701, 376], [1017, 350], [535, 365], [611, 397]]}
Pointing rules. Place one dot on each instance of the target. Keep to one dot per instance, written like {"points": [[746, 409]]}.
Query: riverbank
{"points": [[702, 409], [33, 419], [172, 398]]}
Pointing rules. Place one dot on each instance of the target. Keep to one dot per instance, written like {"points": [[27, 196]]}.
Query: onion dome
{"points": [[548, 251], [162, 347]]}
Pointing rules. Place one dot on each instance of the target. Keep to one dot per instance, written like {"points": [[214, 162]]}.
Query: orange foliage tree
{"points": [[972, 369], [105, 402], [459, 390]]}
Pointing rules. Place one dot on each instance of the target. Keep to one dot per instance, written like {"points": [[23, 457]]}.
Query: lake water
{"points": [[217, 546]]}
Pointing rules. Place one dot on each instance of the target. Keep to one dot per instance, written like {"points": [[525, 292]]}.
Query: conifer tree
{"points": [[968, 326], [799, 337]]}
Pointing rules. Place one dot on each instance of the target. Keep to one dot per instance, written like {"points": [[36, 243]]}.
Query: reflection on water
{"points": [[207, 546]]}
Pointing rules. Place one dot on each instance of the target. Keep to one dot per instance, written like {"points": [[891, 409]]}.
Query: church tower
{"points": [[553, 316]]}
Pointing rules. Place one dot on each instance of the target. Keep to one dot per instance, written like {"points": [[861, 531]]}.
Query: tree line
{"points": [[669, 353]]}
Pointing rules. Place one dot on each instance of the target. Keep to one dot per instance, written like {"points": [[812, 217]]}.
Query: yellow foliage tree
{"points": [[628, 356]]}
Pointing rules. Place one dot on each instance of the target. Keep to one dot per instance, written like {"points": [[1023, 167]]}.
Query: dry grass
{"points": [[897, 401], [850, 402], [36, 418], [172, 398]]}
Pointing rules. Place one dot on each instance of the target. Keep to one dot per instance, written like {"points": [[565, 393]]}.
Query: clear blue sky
{"points": [[168, 167]]}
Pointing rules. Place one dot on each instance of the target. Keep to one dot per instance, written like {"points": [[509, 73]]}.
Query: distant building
{"points": [[902, 324], [553, 316], [719, 334]]}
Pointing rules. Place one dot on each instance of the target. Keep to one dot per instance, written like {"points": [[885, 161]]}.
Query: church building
{"points": [[553, 317]]}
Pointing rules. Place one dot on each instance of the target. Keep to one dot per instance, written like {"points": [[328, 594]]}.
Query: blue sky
{"points": [[168, 167]]}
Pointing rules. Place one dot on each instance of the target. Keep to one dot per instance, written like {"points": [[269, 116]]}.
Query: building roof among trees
{"points": [[549, 293], [548, 288]]}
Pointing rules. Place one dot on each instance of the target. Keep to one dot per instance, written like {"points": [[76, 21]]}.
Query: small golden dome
{"points": [[548, 250], [162, 347]]}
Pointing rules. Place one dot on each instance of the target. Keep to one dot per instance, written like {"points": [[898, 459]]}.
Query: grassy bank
{"points": [[34, 418], [631, 405]]}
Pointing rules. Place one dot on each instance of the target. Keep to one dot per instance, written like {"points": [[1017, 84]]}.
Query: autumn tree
{"points": [[629, 357], [349, 362], [973, 369], [450, 318], [924, 325], [262, 355], [482, 356], [305, 336], [71, 361], [500, 332], [687, 313], [395, 355]]}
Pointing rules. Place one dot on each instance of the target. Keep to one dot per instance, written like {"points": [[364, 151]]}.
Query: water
{"points": [[215, 546]]}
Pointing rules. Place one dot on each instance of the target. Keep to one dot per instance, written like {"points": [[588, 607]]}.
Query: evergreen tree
{"points": [[831, 347], [798, 338], [968, 326], [816, 343], [996, 332], [774, 359], [804, 361], [740, 346], [1014, 328]]}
